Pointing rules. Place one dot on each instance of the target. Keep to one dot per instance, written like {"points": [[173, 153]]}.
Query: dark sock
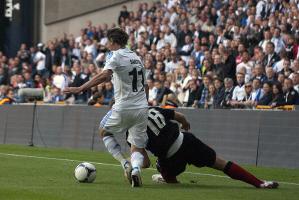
{"points": [[236, 172]]}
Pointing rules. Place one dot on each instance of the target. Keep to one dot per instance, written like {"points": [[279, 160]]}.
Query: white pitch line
{"points": [[115, 165]]}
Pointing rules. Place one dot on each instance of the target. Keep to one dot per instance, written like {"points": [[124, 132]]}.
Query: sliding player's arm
{"points": [[179, 117], [96, 80], [173, 115]]}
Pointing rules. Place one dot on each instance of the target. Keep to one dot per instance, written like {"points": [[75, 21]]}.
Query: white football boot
{"points": [[136, 178], [157, 178], [127, 171], [269, 185]]}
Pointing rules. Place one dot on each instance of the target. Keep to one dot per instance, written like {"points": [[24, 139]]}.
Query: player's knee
{"points": [[134, 148], [220, 164], [104, 133]]}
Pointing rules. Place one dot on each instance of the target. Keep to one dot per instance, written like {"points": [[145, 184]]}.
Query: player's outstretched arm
{"points": [[96, 80], [180, 117]]}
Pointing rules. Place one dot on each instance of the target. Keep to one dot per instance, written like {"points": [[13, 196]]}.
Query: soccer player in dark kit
{"points": [[176, 149]]}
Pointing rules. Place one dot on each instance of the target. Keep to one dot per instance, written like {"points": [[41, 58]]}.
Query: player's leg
{"points": [[114, 148], [174, 165], [138, 139], [110, 142], [146, 161], [238, 173], [169, 169], [206, 156], [138, 156]]}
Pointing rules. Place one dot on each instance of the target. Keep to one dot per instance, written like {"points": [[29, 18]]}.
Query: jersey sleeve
{"points": [[111, 61]]}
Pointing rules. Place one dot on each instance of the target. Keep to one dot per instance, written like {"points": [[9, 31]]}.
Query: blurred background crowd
{"points": [[197, 53]]}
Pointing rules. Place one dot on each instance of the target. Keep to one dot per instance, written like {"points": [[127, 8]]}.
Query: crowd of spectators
{"points": [[197, 53]]}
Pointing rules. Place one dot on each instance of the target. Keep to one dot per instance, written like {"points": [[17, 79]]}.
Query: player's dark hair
{"points": [[118, 36]]}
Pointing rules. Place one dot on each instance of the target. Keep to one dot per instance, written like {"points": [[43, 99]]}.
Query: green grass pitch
{"points": [[33, 176]]}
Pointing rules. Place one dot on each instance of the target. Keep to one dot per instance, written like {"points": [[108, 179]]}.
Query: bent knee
{"points": [[103, 133]]}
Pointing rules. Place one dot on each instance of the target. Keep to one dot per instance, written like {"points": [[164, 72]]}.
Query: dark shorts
{"points": [[193, 152]]}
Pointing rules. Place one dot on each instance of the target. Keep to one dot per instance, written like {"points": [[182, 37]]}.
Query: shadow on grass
{"points": [[184, 186]]}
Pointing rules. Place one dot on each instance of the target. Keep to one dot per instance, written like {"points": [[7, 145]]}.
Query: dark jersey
{"points": [[161, 131]]}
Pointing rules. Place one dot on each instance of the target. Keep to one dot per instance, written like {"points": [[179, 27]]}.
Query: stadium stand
{"points": [[191, 49]]}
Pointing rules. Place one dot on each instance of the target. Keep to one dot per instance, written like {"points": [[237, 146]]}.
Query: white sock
{"points": [[137, 160], [114, 149]]}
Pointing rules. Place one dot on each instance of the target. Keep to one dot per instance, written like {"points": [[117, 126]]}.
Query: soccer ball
{"points": [[85, 172]]}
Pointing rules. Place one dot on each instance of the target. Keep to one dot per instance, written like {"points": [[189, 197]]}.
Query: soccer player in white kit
{"points": [[129, 113]]}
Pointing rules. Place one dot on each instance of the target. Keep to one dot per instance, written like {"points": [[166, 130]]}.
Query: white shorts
{"points": [[134, 121]]}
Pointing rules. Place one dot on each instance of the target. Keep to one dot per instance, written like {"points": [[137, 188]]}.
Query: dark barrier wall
{"points": [[54, 126], [263, 138]]}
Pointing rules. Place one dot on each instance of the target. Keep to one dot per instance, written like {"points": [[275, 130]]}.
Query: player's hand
{"points": [[185, 126], [71, 90]]}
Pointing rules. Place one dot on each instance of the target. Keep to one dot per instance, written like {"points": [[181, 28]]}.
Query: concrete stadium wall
{"points": [[263, 138], [69, 16], [58, 10]]}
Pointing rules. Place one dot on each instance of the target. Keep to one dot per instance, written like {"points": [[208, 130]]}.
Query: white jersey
{"points": [[128, 79]]}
